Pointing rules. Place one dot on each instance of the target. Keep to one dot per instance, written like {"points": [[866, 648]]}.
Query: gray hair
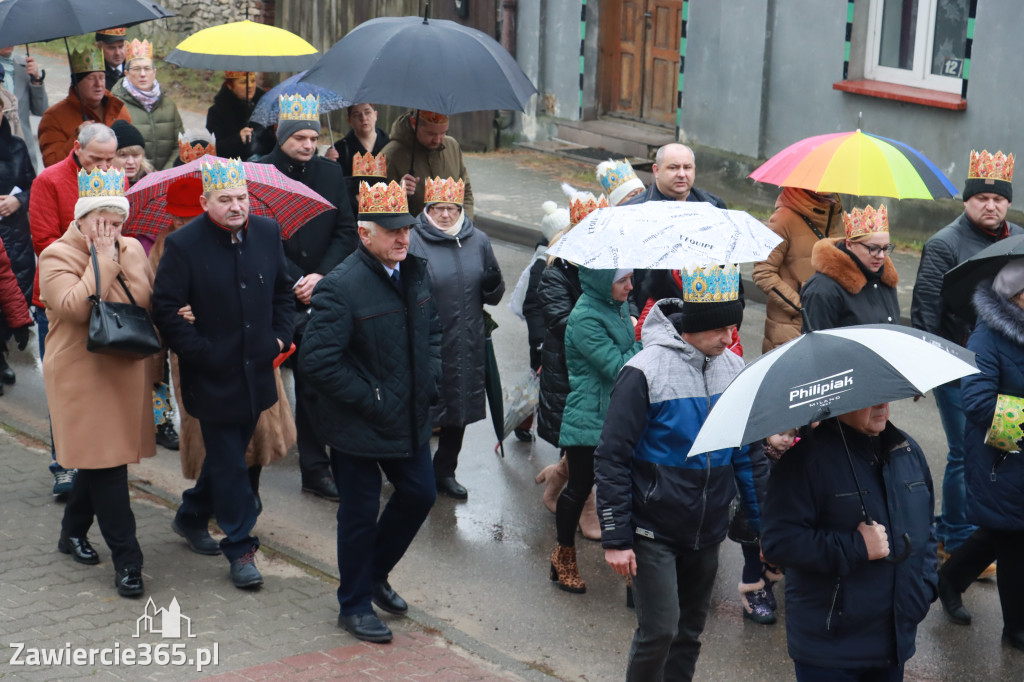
{"points": [[95, 132], [368, 225], [659, 156]]}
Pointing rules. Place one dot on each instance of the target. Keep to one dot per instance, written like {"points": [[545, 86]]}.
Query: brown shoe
{"points": [[565, 571], [590, 526], [555, 476], [989, 572]]}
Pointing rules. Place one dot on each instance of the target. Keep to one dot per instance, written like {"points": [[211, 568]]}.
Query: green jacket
{"points": [[404, 152], [599, 340], [159, 127]]}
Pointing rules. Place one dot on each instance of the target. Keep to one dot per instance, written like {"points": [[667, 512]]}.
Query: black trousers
{"points": [[983, 547], [570, 503], [104, 493], [449, 444], [314, 462], [223, 488]]}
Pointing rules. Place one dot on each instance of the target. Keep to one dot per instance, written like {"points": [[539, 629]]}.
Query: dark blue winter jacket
{"points": [[843, 611], [995, 480]]}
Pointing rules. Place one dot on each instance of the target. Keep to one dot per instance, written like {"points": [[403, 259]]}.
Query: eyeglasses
{"points": [[436, 208], [875, 251], [142, 69]]}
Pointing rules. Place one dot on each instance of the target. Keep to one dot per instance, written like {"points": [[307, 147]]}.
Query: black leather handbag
{"points": [[122, 329]]}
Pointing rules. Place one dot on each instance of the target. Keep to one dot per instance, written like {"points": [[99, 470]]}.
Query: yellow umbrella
{"points": [[244, 46]]}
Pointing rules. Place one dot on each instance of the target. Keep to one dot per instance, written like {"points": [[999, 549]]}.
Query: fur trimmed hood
{"points": [[999, 314], [828, 259]]}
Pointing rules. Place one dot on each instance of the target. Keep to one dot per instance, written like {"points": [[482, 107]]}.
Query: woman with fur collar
{"points": [[854, 280]]}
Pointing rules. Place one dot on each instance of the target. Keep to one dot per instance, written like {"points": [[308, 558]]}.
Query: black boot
{"points": [[166, 436], [6, 373]]}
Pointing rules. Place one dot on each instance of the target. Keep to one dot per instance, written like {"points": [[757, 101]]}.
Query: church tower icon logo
{"points": [[169, 623]]}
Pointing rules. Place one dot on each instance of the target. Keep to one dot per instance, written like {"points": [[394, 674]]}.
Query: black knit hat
{"points": [[702, 317], [974, 186], [127, 135]]}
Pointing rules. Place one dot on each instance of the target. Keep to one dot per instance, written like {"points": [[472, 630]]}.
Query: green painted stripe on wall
{"points": [[849, 11], [970, 28], [967, 69]]}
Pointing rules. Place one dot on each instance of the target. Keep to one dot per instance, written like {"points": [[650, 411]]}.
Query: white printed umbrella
{"points": [[828, 373], [665, 235]]}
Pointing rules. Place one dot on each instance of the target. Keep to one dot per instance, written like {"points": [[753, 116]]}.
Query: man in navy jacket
{"points": [[230, 268]]}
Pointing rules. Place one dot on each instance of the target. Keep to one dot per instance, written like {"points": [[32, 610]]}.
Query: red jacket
{"points": [[12, 300], [58, 129], [51, 207]]}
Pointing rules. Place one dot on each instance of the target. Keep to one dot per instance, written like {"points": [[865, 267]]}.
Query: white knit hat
{"points": [[86, 205], [555, 220]]}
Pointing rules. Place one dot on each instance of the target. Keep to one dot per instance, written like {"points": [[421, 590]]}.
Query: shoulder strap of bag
{"points": [[96, 272], [814, 229]]}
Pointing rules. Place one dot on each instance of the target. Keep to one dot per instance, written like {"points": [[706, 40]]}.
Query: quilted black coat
{"points": [[371, 358], [16, 171], [558, 291]]}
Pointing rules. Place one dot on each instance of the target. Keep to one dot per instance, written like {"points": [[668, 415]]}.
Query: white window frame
{"points": [[920, 76]]}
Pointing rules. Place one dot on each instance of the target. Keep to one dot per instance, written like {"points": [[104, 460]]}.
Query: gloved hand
{"points": [[491, 279], [21, 336]]}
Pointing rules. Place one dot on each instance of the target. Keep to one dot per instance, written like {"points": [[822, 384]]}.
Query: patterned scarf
{"points": [[149, 99]]}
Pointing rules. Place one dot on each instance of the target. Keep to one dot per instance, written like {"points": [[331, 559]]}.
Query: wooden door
{"points": [[661, 60], [631, 58]]}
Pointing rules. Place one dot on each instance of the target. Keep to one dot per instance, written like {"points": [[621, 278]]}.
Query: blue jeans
{"points": [[952, 527], [812, 673], [42, 327], [368, 546]]}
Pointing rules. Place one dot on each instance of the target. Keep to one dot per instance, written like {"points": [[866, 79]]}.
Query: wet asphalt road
{"points": [[481, 567]]}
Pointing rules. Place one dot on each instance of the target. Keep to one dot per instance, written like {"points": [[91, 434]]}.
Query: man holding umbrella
{"points": [[319, 245], [852, 492], [987, 194]]}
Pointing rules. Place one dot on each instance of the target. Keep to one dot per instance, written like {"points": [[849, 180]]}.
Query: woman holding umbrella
{"points": [[995, 478], [854, 280], [228, 118], [464, 275]]}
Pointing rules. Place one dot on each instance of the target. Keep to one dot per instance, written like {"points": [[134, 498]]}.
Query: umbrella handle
{"points": [[902, 556]]}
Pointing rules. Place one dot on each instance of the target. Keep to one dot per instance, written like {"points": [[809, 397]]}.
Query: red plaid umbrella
{"points": [[271, 194]]}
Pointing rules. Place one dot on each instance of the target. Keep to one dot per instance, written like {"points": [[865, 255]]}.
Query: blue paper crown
{"points": [[618, 173], [101, 183], [713, 284], [226, 174], [298, 108]]}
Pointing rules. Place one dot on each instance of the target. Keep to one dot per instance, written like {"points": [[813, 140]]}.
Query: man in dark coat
{"points": [[987, 194], [312, 252], [674, 171], [371, 362], [112, 42], [849, 614], [229, 267]]}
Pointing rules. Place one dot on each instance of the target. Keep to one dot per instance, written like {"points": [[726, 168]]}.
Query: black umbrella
{"points": [[492, 384], [434, 65], [958, 284], [33, 21]]}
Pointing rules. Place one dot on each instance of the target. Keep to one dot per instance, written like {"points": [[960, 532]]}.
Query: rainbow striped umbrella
{"points": [[856, 163]]}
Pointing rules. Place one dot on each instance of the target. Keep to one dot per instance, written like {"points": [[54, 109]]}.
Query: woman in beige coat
{"points": [[801, 218], [100, 405]]}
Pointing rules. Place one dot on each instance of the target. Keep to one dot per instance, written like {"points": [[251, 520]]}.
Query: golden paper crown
{"points": [[369, 166], [582, 205], [447, 191], [985, 166], [102, 183], [227, 174], [612, 174], [431, 117], [298, 108], [869, 221], [712, 284], [138, 50], [88, 60], [118, 32], [195, 144], [382, 198]]}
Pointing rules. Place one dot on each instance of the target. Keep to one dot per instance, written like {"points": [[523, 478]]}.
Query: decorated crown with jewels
{"points": [[87, 60], [382, 198], [858, 223], [447, 191], [369, 166], [223, 174], [117, 32], [195, 144], [986, 166], [583, 204], [298, 108], [711, 284], [101, 183], [138, 49], [612, 174]]}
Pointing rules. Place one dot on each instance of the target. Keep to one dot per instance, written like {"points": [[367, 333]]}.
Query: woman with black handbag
{"points": [[100, 403]]}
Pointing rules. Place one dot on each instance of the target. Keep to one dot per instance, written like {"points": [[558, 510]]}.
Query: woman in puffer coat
{"points": [[464, 275], [995, 479], [801, 218], [153, 113], [854, 280], [599, 340]]}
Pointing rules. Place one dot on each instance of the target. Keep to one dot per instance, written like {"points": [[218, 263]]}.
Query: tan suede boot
{"points": [[565, 571], [590, 526], [555, 476]]}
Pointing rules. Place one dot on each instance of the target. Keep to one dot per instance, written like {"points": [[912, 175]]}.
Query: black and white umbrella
{"points": [[825, 374]]}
